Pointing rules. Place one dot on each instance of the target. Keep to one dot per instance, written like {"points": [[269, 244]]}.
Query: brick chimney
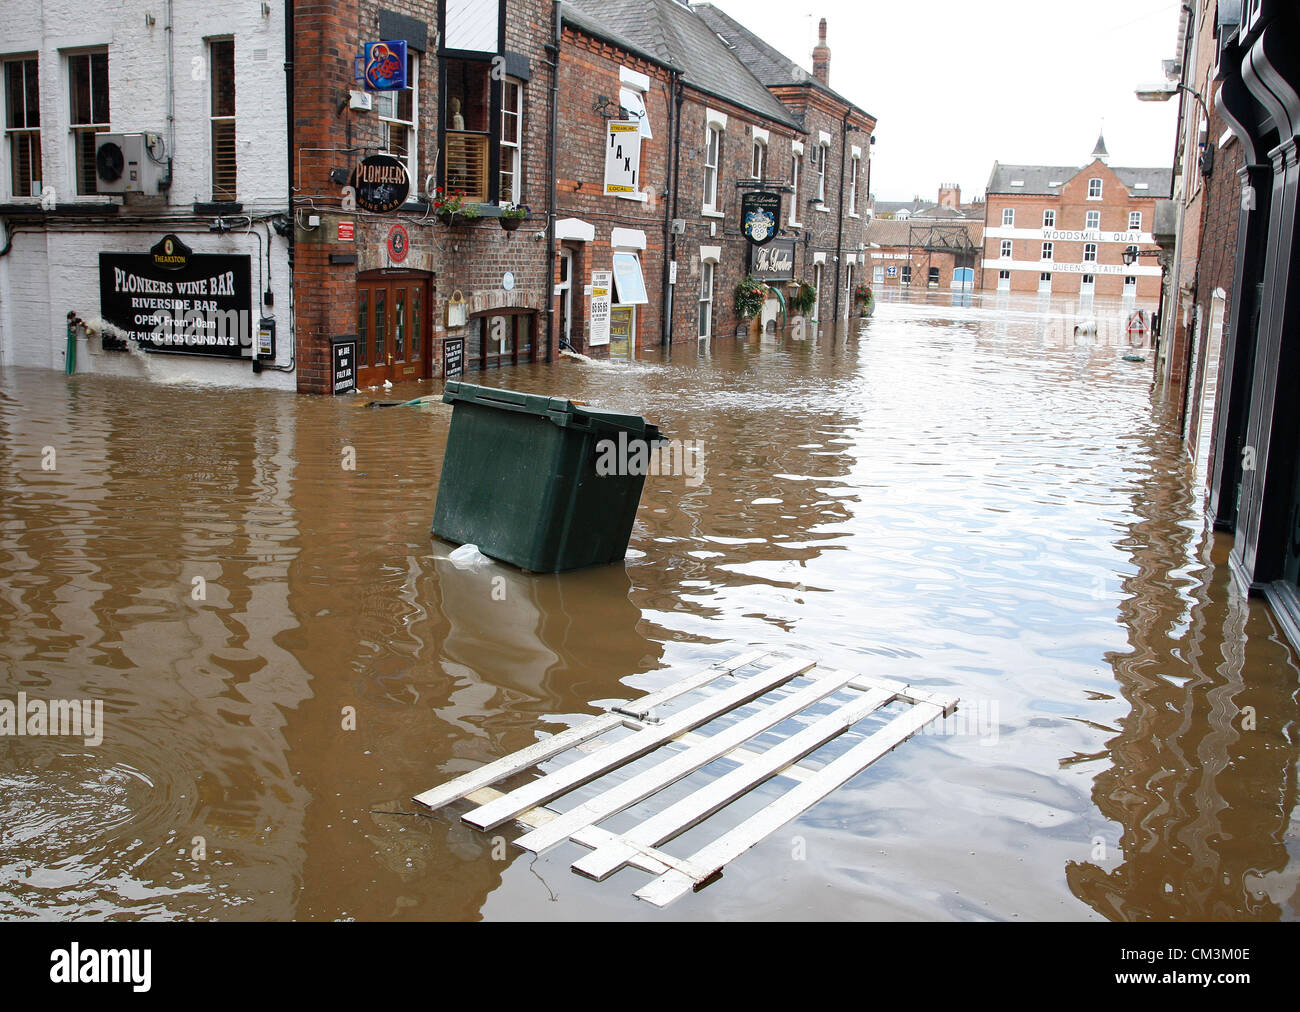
{"points": [[822, 56], [950, 195]]}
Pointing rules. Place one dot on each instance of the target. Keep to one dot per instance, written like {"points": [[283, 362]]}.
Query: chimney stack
{"points": [[950, 195], [822, 56]]}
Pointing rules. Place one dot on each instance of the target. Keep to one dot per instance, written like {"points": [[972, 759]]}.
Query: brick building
{"points": [[1064, 229], [473, 119], [928, 245], [829, 169]]}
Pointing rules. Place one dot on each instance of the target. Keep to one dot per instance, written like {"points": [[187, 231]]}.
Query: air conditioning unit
{"points": [[130, 163]]}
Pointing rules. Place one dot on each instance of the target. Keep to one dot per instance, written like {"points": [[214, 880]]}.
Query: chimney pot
{"points": [[822, 56]]}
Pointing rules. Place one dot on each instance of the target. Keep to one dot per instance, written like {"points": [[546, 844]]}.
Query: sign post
{"points": [[601, 284]]}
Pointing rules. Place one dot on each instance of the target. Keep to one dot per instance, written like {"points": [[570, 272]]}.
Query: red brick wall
{"points": [[472, 258]]}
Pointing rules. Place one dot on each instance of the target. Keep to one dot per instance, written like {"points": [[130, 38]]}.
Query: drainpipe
{"points": [[670, 211], [171, 96], [554, 50], [839, 234]]}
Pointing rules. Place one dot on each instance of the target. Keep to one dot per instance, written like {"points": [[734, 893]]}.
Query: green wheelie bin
{"points": [[520, 478]]}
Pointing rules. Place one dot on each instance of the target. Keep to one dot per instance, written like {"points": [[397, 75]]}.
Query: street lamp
{"points": [[1164, 92]]}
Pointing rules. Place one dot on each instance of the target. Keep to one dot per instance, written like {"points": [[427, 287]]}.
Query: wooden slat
{"points": [[681, 764], [712, 858], [909, 693], [550, 747], [699, 805], [546, 788]]}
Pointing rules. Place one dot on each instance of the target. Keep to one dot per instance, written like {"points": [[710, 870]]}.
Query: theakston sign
{"points": [[172, 299]]}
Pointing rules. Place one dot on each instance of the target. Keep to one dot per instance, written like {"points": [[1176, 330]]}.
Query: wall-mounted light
{"points": [[609, 109], [339, 176], [266, 9], [149, 20]]}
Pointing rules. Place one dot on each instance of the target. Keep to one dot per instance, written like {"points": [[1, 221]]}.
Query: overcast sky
{"points": [[957, 84]]}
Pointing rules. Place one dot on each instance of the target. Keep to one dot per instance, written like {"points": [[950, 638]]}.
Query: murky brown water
{"points": [[956, 497]]}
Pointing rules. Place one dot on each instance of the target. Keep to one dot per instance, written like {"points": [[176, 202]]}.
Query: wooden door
{"points": [[392, 329]]}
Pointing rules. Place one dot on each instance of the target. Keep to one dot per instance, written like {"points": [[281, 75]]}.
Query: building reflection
{"points": [[1202, 777]]}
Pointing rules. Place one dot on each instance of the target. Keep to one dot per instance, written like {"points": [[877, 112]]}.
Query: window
{"points": [[818, 270], [1049, 250], [1092, 221], [1006, 249], [510, 189], [1135, 221], [712, 159], [221, 63], [23, 127], [1045, 278], [398, 119], [821, 172], [907, 274], [706, 299], [760, 160], [853, 185], [1008, 217], [1094, 189], [1130, 282], [88, 94], [1089, 280], [796, 163], [1131, 251], [1090, 252], [934, 277], [1049, 219], [467, 129]]}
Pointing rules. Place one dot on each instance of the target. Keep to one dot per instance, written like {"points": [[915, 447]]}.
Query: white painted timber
{"points": [[711, 859], [699, 805], [588, 768], [682, 764]]}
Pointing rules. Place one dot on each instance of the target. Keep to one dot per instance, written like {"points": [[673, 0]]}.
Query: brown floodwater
{"points": [[966, 498]]}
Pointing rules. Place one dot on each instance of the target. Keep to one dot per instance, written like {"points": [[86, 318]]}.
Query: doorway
{"points": [[565, 290], [393, 313]]}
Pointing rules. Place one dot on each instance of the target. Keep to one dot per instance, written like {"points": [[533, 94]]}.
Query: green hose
{"points": [[70, 356]]}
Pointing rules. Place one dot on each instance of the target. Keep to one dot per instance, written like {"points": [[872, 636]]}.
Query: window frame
{"points": [[1008, 217], [513, 150], [1090, 253], [1007, 250], [1135, 221], [1095, 183], [1049, 251], [78, 128], [704, 320], [855, 165], [412, 126], [215, 118], [1092, 221], [758, 163], [1049, 218], [823, 160], [712, 171], [31, 133], [796, 167]]}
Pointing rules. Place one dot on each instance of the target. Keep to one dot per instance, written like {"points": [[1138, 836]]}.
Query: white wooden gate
{"points": [[775, 691]]}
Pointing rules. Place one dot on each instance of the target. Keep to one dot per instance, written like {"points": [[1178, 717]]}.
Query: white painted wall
{"points": [[53, 269]]}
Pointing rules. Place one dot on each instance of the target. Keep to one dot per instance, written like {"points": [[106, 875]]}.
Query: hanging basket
{"points": [[510, 224]]}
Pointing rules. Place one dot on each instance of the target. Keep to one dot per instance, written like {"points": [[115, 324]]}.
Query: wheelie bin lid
{"points": [[559, 410]]}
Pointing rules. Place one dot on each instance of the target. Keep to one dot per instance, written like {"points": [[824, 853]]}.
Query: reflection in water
{"points": [[1202, 776], [962, 496]]}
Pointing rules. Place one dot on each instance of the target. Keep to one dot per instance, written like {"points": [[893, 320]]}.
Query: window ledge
{"points": [[710, 212], [639, 197], [823, 208]]}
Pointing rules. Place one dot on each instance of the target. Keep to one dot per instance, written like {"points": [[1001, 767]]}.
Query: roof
{"points": [[596, 29], [1039, 179], [674, 35], [1100, 150], [886, 233], [769, 65]]}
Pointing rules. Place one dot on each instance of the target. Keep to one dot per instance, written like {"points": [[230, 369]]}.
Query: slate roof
{"points": [[1038, 179], [886, 233], [769, 65], [673, 34], [597, 29]]}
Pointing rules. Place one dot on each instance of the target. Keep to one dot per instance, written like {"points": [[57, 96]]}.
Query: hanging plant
{"points": [[750, 296], [866, 296], [453, 207], [803, 299], [513, 215]]}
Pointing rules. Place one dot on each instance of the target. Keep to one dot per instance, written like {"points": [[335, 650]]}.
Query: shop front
{"points": [[394, 310]]}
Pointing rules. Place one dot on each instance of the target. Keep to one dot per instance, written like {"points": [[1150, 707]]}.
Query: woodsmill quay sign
{"points": [[381, 184]]}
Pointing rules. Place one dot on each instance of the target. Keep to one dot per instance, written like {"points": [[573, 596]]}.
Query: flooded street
{"points": [[962, 498]]}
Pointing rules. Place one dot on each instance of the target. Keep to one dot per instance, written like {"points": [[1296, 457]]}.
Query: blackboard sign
{"points": [[381, 184], [453, 357], [773, 262], [171, 299], [345, 364], [760, 216]]}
